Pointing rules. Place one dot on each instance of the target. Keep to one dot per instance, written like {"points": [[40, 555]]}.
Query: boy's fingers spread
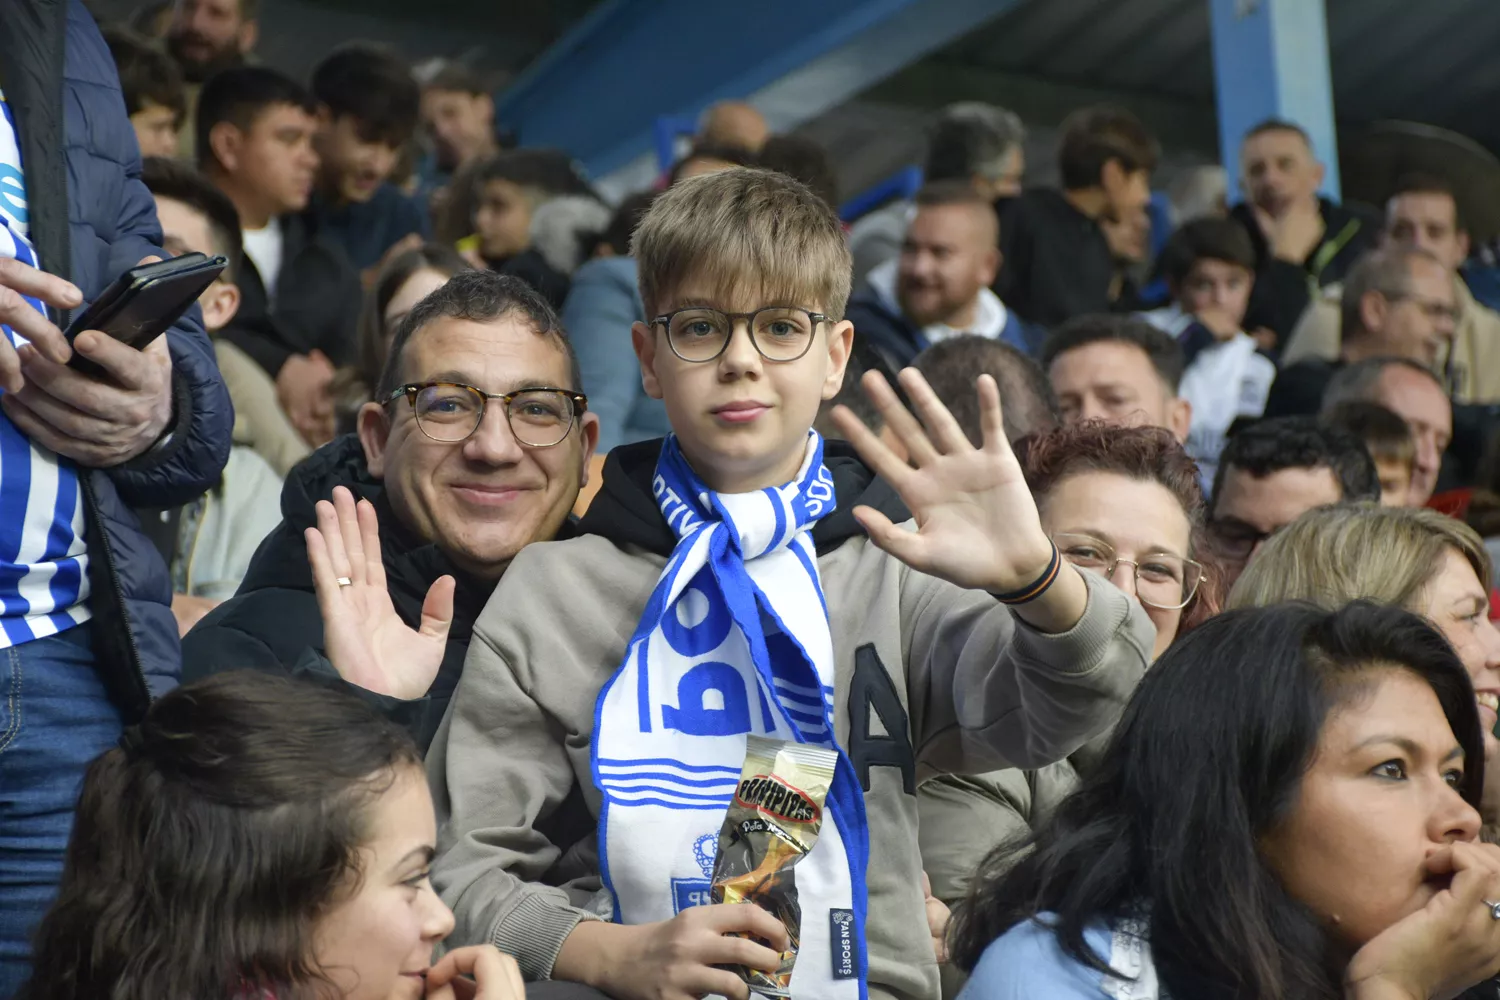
{"points": [[991, 414], [888, 537], [875, 452], [936, 417], [899, 419]]}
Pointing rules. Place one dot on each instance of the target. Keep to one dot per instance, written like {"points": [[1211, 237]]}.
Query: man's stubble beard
{"points": [[195, 71]]}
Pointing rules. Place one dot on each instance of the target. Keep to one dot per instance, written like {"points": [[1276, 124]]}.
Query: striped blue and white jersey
{"points": [[44, 584]]}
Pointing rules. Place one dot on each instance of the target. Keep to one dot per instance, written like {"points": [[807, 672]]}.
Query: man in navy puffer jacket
{"points": [[86, 628]]}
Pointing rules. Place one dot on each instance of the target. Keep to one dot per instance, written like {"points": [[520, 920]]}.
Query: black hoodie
{"points": [[625, 510], [1282, 289], [273, 622]]}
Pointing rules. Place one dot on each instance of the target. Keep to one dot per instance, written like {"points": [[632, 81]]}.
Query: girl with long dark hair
{"points": [[256, 837], [1286, 812]]}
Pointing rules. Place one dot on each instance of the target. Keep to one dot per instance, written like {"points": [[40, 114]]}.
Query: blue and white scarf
{"points": [[735, 640]]}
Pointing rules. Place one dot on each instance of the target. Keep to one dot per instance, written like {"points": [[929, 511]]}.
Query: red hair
{"points": [[1148, 454]]}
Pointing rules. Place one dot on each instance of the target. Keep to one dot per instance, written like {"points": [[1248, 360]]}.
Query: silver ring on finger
{"points": [[1494, 908], [344, 581]]}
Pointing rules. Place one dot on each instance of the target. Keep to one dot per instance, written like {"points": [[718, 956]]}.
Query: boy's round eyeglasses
{"points": [[779, 333], [450, 412]]}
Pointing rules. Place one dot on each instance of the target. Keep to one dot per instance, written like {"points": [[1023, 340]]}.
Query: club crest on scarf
{"points": [[734, 640]]}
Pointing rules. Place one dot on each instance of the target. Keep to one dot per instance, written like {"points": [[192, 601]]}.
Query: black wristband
{"points": [[1038, 587]]}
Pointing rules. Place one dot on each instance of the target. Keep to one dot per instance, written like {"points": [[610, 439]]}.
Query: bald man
{"points": [[735, 123], [939, 286]]}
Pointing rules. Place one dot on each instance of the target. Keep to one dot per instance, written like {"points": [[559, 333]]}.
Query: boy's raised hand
{"points": [[977, 524]]}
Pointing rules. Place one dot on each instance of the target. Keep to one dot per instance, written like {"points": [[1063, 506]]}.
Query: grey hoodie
{"points": [[929, 679]]}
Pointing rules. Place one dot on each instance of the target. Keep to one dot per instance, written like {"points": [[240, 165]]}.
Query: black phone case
{"points": [[144, 302]]}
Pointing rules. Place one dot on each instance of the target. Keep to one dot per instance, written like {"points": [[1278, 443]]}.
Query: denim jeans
{"points": [[55, 718]]}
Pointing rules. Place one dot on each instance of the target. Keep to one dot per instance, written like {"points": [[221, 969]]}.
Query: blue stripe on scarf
{"points": [[790, 677]]}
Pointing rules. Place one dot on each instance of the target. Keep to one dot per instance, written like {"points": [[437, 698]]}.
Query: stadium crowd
{"points": [[396, 624]]}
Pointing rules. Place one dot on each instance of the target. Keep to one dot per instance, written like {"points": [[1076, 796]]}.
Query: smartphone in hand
{"points": [[144, 302]]}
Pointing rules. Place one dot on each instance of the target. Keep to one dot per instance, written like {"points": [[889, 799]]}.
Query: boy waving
{"points": [[744, 576]]}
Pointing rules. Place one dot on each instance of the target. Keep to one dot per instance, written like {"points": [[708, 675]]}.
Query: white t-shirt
{"points": [[1226, 380], [263, 247]]}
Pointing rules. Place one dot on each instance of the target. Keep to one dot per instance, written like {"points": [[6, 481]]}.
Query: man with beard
{"points": [[938, 288], [204, 37]]}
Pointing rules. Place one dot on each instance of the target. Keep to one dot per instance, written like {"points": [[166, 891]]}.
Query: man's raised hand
{"points": [[363, 636]]}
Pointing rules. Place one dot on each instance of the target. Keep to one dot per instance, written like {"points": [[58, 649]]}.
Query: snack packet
{"points": [[771, 825]]}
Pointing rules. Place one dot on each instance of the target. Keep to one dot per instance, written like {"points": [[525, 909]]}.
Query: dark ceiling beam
{"points": [[932, 83]]}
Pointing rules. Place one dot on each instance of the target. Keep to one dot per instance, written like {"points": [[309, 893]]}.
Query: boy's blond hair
{"points": [[744, 232]]}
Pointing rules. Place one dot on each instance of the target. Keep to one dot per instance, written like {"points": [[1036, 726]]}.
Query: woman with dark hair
{"points": [[1286, 812], [403, 282], [1120, 501], [255, 837]]}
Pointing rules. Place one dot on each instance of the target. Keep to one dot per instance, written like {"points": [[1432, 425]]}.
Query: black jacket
{"points": [[318, 299], [625, 510], [1283, 289], [531, 267], [273, 622], [91, 220], [1299, 389], [1057, 264]]}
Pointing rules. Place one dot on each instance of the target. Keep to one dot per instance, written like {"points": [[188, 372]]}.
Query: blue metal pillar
{"points": [[599, 91], [1271, 61]]}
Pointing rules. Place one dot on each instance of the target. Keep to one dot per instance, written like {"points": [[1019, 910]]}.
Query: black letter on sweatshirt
{"points": [[872, 691]]}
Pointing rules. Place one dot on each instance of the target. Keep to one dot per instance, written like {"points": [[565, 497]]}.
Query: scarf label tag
{"points": [[841, 944]]}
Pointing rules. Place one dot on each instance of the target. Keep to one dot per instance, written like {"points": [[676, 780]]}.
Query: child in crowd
{"points": [[256, 837], [1209, 265], [1388, 440], [155, 96], [511, 189], [743, 576]]}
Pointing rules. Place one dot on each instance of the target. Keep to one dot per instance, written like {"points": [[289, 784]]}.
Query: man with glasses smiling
{"points": [[476, 445]]}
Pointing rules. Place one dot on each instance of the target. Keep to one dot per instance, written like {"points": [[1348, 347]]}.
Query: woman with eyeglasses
{"points": [[1123, 502]]}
